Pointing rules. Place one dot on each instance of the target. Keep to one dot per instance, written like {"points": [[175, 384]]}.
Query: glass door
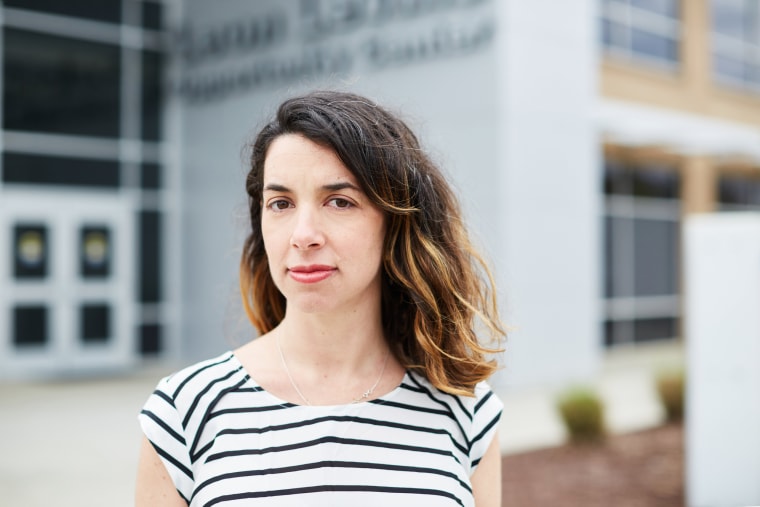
{"points": [[67, 277]]}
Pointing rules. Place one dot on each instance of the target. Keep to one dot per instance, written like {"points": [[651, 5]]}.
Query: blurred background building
{"points": [[579, 135], [85, 191]]}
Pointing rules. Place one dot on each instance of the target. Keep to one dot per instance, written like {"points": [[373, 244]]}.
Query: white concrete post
{"points": [[722, 254]]}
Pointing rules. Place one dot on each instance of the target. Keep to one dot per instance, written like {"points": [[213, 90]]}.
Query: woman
{"points": [[367, 384]]}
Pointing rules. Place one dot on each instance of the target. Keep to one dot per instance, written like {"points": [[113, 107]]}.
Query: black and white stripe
{"points": [[226, 441]]}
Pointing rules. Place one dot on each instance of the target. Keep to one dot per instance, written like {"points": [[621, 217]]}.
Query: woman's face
{"points": [[322, 235]]}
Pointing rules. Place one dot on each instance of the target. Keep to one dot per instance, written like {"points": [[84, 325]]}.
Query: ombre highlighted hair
{"points": [[436, 287]]}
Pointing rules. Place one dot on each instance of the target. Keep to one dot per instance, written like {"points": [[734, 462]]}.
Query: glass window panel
{"points": [[646, 330], [152, 15], [150, 176], [617, 332], [753, 193], [95, 323], [614, 34], [60, 85], [609, 332], [30, 327], [731, 190], [95, 251], [661, 184], [607, 32], [30, 256], [663, 7], [609, 257], [727, 66], [655, 257], [150, 339], [654, 45], [101, 10], [619, 239], [753, 74], [150, 256], [739, 190], [727, 18], [752, 22], [640, 330], [45, 170], [152, 95], [616, 179]]}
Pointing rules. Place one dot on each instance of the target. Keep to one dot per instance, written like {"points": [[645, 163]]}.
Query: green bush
{"points": [[583, 414], [670, 388]]}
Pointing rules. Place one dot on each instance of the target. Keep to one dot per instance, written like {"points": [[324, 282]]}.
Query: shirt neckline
{"points": [[380, 399]]}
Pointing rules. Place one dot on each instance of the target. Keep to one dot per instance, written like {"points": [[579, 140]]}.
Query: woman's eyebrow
{"points": [[331, 187], [342, 185], [275, 187]]}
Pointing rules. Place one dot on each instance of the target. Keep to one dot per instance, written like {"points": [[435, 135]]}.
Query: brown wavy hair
{"points": [[436, 287]]}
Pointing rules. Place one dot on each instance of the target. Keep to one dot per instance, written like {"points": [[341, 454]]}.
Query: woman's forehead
{"points": [[293, 159]]}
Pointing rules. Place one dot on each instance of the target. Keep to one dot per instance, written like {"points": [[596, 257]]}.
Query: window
{"points": [[152, 95], [739, 192], [150, 256], [60, 85], [95, 252], [152, 15], [46, 170], [646, 30], [641, 253], [95, 323], [150, 339], [100, 10], [150, 176], [31, 254], [30, 325], [736, 42]]}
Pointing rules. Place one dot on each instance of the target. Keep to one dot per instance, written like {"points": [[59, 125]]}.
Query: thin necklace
{"points": [[366, 394]]}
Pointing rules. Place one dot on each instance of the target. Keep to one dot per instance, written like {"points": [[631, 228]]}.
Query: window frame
{"points": [[631, 18], [632, 308], [736, 47]]}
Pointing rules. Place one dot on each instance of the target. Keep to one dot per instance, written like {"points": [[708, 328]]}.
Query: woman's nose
{"points": [[307, 232]]}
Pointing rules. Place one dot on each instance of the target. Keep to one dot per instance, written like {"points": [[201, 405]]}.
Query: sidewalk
{"points": [[75, 443], [626, 385], [71, 443]]}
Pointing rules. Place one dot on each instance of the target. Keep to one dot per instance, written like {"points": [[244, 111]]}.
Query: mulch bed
{"points": [[642, 469]]}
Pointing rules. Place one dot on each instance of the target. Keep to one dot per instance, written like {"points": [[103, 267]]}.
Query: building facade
{"points": [[680, 118], [577, 142], [85, 190]]}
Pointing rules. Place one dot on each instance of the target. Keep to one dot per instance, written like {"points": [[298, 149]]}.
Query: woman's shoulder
{"points": [[196, 377], [483, 396]]}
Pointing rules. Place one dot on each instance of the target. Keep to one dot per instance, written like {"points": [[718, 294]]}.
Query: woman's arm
{"points": [[486, 480], [154, 487]]}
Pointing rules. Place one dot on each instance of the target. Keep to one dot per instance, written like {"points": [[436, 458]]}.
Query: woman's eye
{"points": [[339, 202], [278, 205]]}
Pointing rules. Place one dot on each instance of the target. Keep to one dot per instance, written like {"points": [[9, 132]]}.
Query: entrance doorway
{"points": [[67, 278]]}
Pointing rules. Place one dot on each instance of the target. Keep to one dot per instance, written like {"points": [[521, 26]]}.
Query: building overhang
{"points": [[635, 125]]}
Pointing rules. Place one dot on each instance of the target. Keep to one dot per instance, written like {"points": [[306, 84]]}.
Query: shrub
{"points": [[670, 388], [582, 412]]}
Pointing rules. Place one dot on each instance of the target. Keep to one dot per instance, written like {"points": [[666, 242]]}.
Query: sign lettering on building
{"points": [[323, 38]]}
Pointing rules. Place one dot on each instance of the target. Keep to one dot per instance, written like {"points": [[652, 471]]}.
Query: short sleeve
{"points": [[162, 426], [485, 422]]}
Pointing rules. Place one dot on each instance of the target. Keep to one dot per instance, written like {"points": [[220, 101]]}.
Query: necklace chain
{"points": [[366, 394]]}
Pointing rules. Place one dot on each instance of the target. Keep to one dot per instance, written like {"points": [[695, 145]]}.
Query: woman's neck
{"points": [[322, 341]]}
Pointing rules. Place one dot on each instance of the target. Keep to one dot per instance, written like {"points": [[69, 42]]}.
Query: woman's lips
{"points": [[310, 274]]}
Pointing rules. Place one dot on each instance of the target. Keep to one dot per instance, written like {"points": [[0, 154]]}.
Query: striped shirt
{"points": [[226, 441]]}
